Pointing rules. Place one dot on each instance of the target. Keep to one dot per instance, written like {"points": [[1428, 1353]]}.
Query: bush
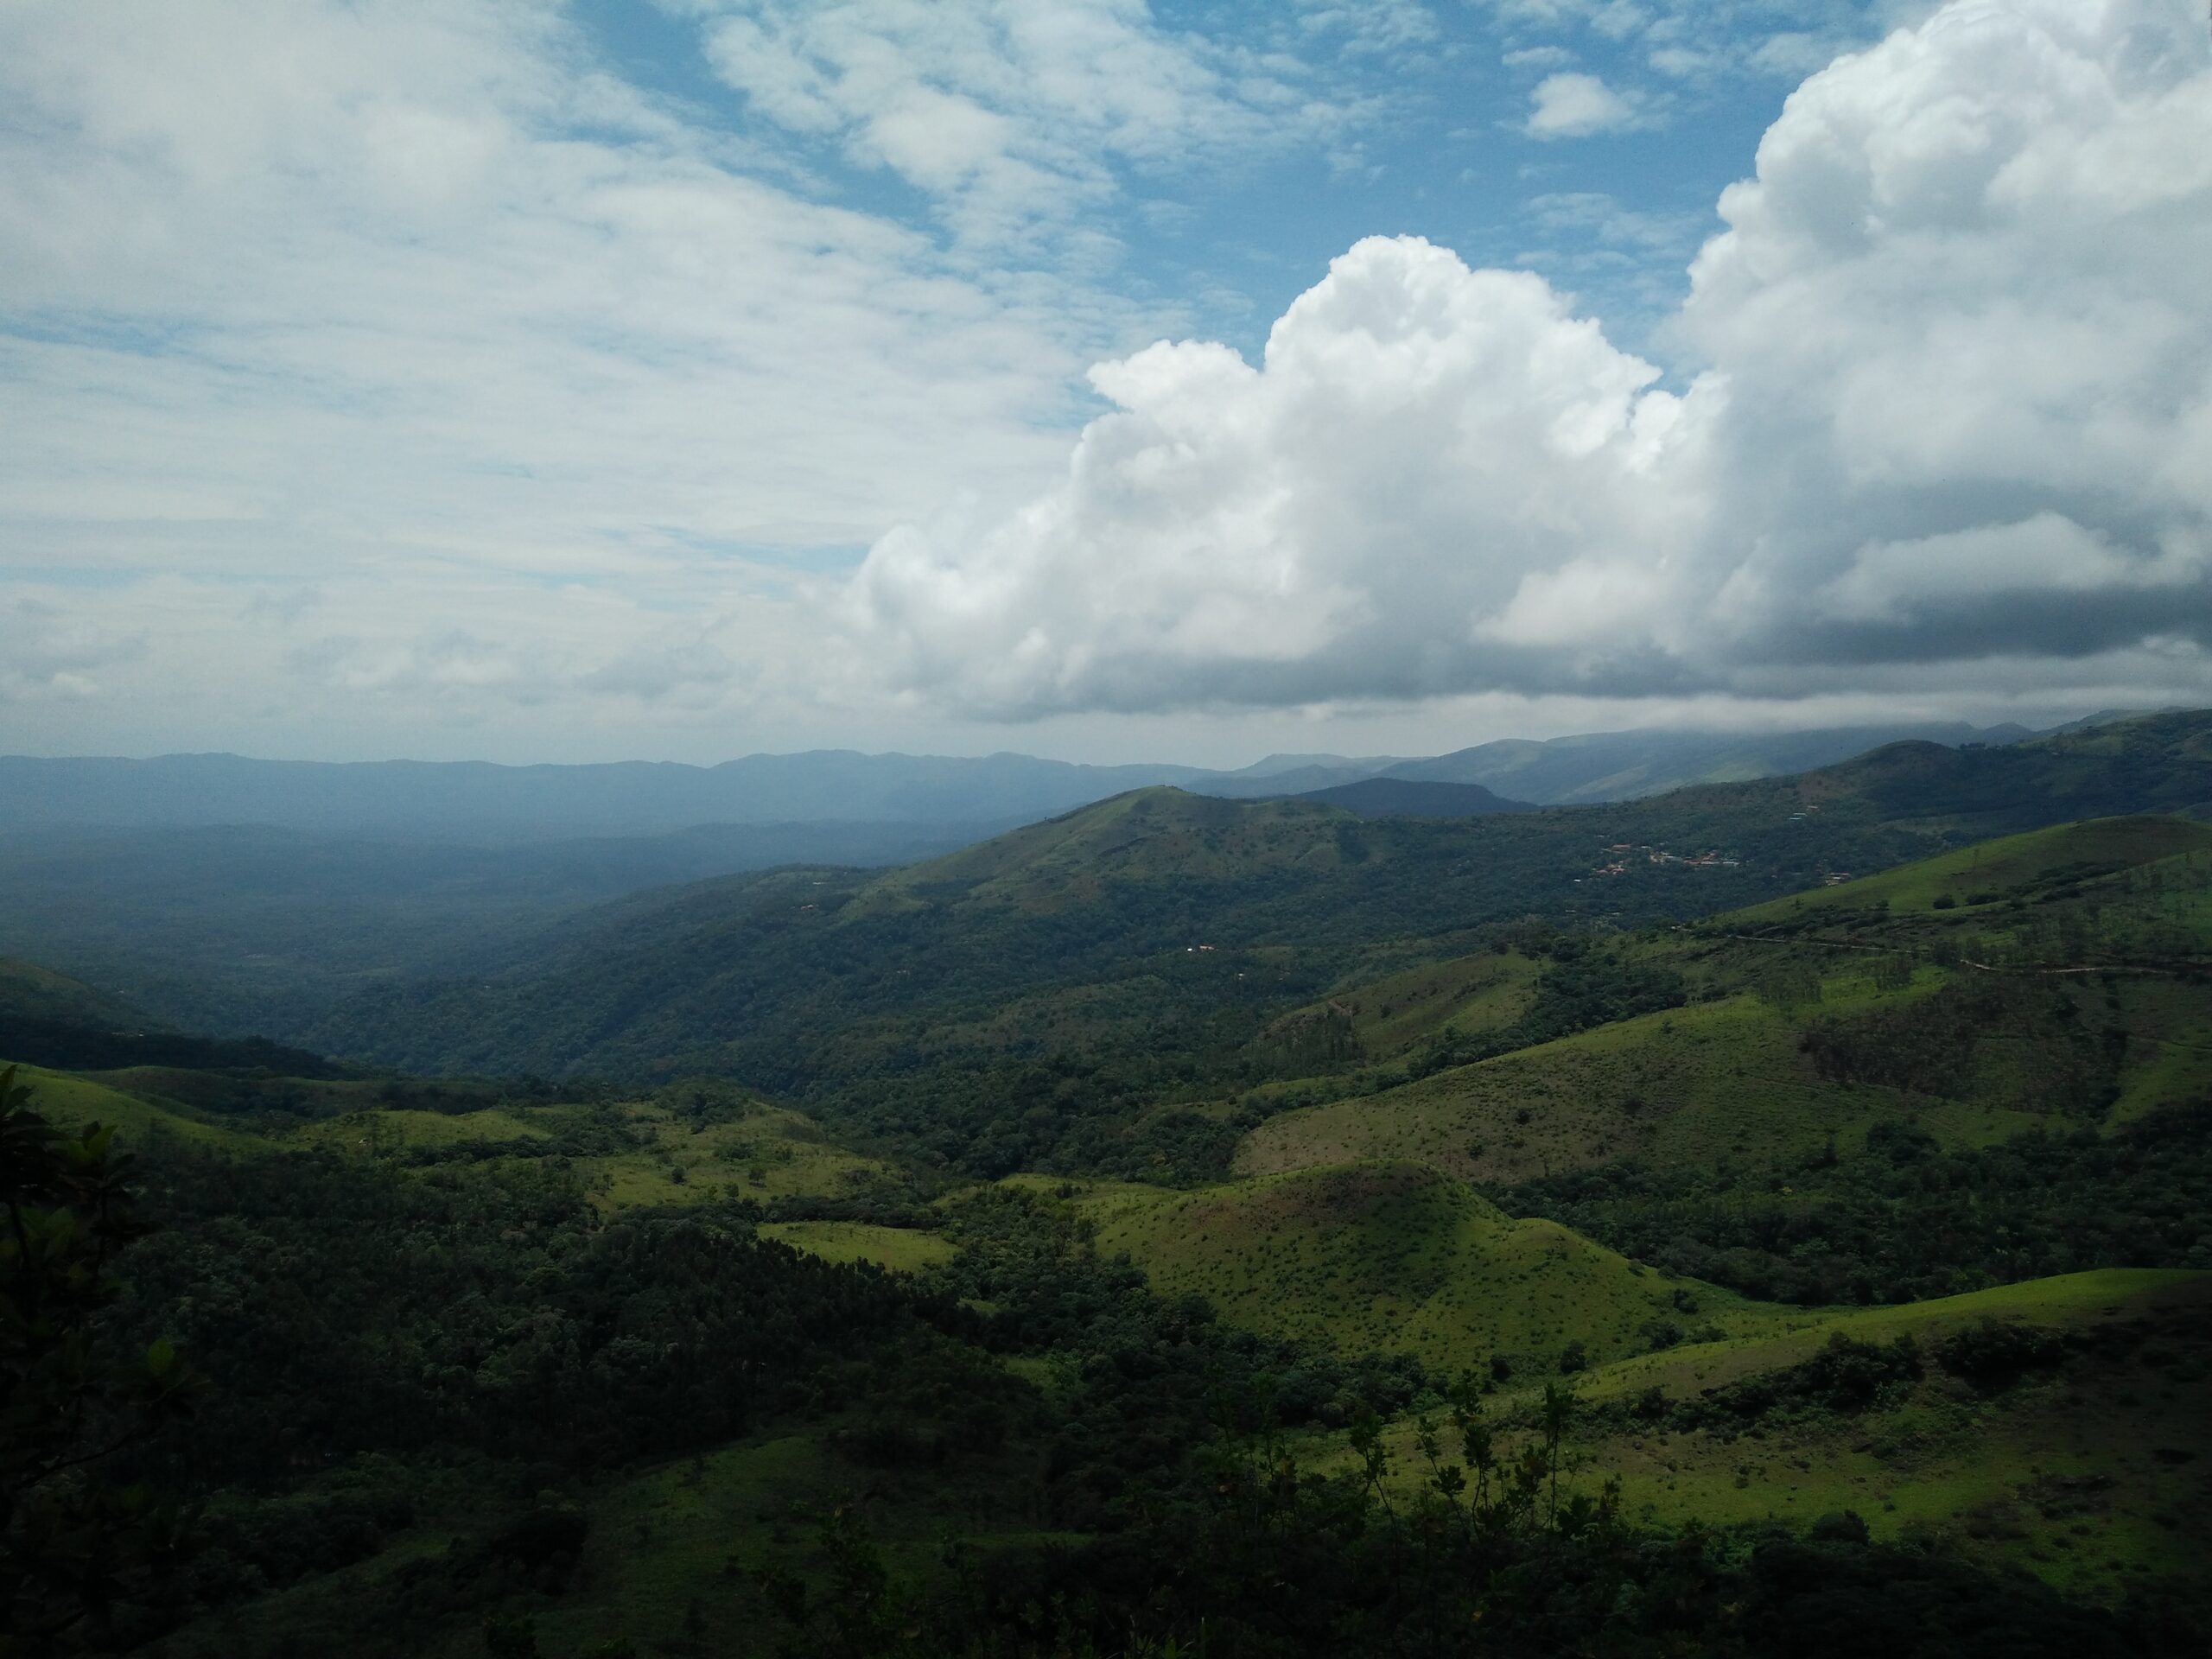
{"points": [[1992, 1354]]}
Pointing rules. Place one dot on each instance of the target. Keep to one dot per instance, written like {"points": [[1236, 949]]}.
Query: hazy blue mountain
{"points": [[234, 928], [475, 801], [1629, 766]]}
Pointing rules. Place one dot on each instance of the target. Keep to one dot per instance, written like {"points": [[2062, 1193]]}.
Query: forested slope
{"points": [[1045, 987]]}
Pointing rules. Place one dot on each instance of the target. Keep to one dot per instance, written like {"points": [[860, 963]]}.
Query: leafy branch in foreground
{"points": [[77, 1551]]}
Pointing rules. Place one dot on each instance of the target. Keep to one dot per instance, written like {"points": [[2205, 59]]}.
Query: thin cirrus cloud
{"points": [[400, 355], [1013, 118], [1947, 424]]}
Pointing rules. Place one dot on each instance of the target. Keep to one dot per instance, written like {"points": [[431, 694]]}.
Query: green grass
{"points": [[1474, 994], [73, 1101], [1725, 1078], [1397, 1258], [2002, 866], [902, 1249], [2089, 1477], [388, 1129], [2094, 1475], [1688, 1086], [770, 1153]]}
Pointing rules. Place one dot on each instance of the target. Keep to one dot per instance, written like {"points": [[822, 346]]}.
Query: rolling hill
{"points": [[2053, 977], [1796, 1198], [1050, 985], [1400, 1258]]}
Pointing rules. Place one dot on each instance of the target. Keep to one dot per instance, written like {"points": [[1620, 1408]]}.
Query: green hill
{"points": [[1395, 1257], [1029, 1002], [2011, 1464], [2039, 866], [1960, 992], [34, 994]]}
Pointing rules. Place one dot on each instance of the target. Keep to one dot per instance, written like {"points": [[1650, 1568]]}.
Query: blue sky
{"points": [[541, 381], [1422, 126]]}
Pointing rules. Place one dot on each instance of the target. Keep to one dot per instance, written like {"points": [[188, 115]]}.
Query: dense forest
{"points": [[370, 1347]]}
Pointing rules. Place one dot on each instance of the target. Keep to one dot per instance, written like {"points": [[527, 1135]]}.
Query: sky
{"points": [[684, 379]]}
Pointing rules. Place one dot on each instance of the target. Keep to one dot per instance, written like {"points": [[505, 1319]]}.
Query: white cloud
{"points": [[1011, 116], [1707, 41], [409, 308], [1574, 106], [1949, 430], [1418, 439]]}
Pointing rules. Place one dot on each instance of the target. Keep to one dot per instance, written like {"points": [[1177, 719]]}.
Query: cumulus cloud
{"points": [[1574, 106], [1418, 438], [1947, 421]]}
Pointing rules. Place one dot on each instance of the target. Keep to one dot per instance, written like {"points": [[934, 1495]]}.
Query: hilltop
{"points": [[1401, 1258]]}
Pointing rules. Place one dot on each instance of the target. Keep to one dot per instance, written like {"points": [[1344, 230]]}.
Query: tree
{"points": [[79, 1551]]}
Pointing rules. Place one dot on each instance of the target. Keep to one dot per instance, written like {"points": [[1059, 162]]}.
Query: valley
{"points": [[717, 1247]]}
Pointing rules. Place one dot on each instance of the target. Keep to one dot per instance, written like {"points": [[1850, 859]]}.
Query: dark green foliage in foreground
{"points": [[364, 1309], [1902, 1220], [82, 1554], [422, 1334], [1493, 1555], [1152, 1377]]}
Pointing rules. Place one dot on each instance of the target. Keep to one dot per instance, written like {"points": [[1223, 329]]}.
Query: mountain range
{"points": [[477, 802]]}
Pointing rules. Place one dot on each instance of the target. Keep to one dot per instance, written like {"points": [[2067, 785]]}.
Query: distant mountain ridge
{"points": [[461, 801], [1188, 914]]}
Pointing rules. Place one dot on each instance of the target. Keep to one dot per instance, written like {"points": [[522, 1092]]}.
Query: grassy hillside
{"points": [[2035, 866], [1396, 1258], [1175, 930], [30, 993], [2091, 1464], [76, 1102], [1716, 1080], [1960, 992]]}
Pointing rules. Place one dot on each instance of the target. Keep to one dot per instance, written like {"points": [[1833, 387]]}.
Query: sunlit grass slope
{"points": [[1692, 1084], [1728, 1076], [902, 1249], [2040, 862], [629, 1153], [1395, 1257], [1470, 996], [74, 1101], [2094, 1472]]}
